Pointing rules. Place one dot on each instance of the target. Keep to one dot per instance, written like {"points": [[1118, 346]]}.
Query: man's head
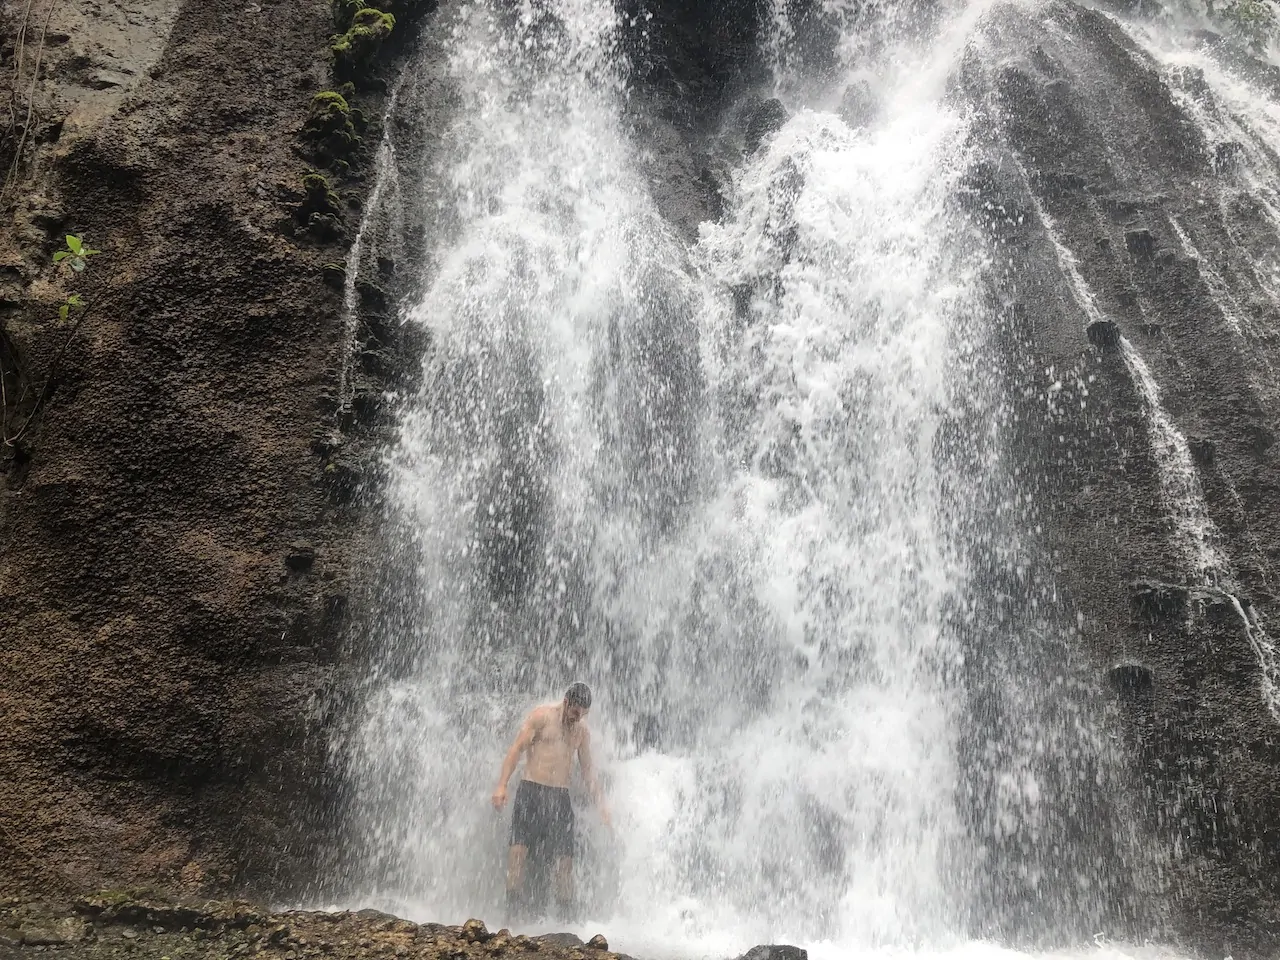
{"points": [[577, 701]]}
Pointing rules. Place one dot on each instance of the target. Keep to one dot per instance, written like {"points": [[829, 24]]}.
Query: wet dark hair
{"points": [[578, 695]]}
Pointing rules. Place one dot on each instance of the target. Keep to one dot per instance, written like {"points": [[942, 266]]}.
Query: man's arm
{"points": [[589, 776], [522, 742]]}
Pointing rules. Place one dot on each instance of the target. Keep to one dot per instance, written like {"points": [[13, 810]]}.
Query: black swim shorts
{"points": [[542, 819]]}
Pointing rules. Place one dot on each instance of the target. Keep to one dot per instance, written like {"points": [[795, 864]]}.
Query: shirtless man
{"points": [[542, 817]]}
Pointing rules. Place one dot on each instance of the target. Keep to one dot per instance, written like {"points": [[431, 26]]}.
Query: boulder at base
{"points": [[775, 951]]}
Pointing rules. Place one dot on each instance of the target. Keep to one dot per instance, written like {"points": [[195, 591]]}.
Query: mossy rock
{"points": [[355, 51], [320, 212], [320, 197], [372, 296], [325, 227], [331, 126]]}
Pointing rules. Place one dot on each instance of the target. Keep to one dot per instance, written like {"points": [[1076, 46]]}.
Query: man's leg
{"points": [[564, 887], [516, 858]]}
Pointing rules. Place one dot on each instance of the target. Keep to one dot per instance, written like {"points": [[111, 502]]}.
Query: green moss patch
{"points": [[333, 126], [355, 51]]}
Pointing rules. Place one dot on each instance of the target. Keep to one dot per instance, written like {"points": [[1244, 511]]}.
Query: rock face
{"points": [[1084, 127], [775, 951], [165, 636]]}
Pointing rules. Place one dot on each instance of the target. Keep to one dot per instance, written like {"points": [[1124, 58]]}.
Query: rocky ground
{"points": [[149, 928]]}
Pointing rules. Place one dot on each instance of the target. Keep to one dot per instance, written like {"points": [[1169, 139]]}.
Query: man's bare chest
{"points": [[554, 741]]}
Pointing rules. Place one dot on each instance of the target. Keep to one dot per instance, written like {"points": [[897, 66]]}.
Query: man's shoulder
{"points": [[540, 713]]}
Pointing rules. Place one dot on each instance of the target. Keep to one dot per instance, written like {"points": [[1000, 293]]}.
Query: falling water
{"points": [[384, 193], [708, 482], [550, 446], [1179, 481]]}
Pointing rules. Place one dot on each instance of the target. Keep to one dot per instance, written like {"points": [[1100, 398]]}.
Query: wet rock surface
{"points": [[179, 530], [1088, 130]]}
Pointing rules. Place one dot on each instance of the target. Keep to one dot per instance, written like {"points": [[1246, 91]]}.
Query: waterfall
{"points": [[729, 485], [1239, 118], [551, 444], [1235, 108]]}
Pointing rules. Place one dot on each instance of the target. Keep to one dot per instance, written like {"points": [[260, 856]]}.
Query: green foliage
{"points": [[75, 301], [331, 125], [75, 255], [74, 260], [321, 209], [319, 194]]}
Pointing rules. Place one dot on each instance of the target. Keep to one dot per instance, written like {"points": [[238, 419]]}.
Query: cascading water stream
{"points": [[549, 443], [1239, 118], [384, 193]]}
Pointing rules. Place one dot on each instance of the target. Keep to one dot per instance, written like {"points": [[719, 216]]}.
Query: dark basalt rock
{"points": [[775, 951], [301, 557], [1130, 679], [1202, 449], [1155, 602], [1226, 156], [1140, 243], [1103, 334], [1158, 601], [561, 940], [765, 120]]}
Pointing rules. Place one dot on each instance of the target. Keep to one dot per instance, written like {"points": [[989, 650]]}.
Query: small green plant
{"points": [[73, 302], [74, 260], [75, 255]]}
